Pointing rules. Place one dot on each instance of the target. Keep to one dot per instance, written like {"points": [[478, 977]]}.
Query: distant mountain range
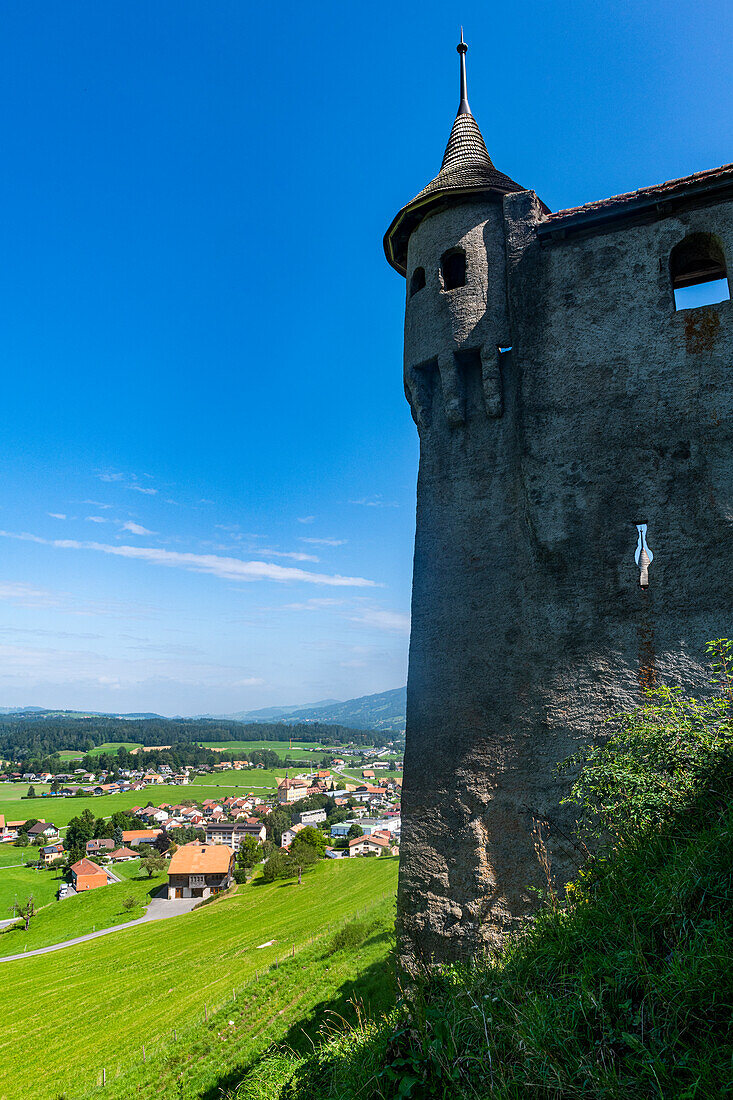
{"points": [[384, 711], [44, 712]]}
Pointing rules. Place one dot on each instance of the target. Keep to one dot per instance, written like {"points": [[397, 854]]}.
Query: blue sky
{"points": [[207, 471]]}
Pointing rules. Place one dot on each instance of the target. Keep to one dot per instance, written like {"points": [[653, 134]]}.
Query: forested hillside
{"points": [[38, 736]]}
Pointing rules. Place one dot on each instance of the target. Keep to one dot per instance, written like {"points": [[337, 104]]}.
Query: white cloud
{"points": [[233, 569], [393, 621], [375, 502], [57, 515], [96, 504], [306, 519], [111, 477], [294, 555], [324, 542], [96, 519], [143, 489], [135, 528]]}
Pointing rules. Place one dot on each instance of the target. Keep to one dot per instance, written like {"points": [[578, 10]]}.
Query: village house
{"points": [[375, 844], [99, 845], [232, 833], [123, 855], [43, 828], [86, 875], [290, 834], [51, 852], [133, 837], [200, 870]]}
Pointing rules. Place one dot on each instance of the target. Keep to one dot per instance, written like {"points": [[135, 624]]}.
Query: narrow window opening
{"points": [[417, 282], [453, 266], [698, 272]]}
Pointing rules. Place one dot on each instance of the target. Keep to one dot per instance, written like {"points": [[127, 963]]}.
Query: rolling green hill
{"points": [[96, 1004]]}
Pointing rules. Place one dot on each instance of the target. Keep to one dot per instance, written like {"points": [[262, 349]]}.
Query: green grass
{"points": [[127, 870], [61, 810], [627, 992], [89, 911], [280, 747], [10, 855], [11, 795], [94, 1004], [254, 779], [19, 882], [287, 1004]]}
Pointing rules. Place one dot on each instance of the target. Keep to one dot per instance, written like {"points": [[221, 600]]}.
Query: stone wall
{"points": [[529, 624]]}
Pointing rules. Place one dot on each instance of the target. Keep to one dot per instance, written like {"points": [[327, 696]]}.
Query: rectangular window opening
{"points": [[701, 294]]}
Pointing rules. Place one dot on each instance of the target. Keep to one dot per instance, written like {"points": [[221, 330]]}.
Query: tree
{"points": [[101, 828], [129, 903], [153, 863], [80, 830], [162, 842], [31, 792], [117, 837], [354, 831], [249, 853], [311, 836], [275, 866], [25, 909]]}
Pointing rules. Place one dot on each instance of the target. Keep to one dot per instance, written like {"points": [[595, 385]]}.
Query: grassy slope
{"points": [[21, 881], [285, 1004], [89, 911], [627, 994], [142, 982]]}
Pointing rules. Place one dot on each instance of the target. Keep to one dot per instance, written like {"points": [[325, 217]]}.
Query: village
{"points": [[205, 845]]}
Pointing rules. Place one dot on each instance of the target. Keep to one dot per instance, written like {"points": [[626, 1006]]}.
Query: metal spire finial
{"points": [[463, 108]]}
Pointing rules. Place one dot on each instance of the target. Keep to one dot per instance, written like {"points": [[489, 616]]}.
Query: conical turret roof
{"points": [[467, 169]]}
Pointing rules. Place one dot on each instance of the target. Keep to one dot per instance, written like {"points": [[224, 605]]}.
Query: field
{"points": [[280, 747], [108, 746], [254, 779], [86, 912], [19, 882], [95, 1004], [61, 810]]}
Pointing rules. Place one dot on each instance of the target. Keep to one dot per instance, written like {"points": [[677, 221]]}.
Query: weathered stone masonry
{"points": [[536, 464]]}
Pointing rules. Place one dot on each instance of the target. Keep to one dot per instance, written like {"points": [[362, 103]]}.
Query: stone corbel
{"points": [[452, 387]]}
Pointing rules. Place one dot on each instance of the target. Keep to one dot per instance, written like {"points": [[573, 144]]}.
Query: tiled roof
{"points": [[200, 859], [658, 193], [86, 867]]}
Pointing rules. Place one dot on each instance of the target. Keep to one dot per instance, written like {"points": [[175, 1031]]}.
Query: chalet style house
{"points": [[200, 870], [86, 875]]}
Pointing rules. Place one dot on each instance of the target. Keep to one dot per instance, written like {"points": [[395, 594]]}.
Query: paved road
{"points": [[159, 909]]}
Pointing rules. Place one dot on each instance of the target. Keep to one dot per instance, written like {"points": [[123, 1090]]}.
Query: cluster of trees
{"points": [[34, 740], [306, 849]]}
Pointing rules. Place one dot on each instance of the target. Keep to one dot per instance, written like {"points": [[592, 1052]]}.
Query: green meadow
{"points": [[86, 912], [95, 1004], [108, 746], [280, 747], [61, 810], [16, 883]]}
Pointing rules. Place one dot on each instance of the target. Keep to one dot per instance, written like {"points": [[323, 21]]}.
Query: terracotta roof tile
{"points": [[659, 190]]}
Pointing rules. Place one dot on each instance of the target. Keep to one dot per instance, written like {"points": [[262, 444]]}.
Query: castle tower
{"points": [[562, 404]]}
